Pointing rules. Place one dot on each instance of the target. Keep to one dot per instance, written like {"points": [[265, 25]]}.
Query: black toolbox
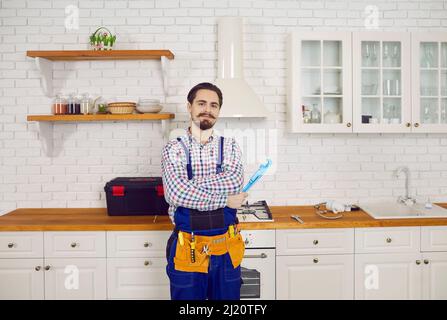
{"points": [[136, 196]]}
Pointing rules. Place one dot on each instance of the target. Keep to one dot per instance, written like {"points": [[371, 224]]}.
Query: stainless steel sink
{"points": [[394, 210]]}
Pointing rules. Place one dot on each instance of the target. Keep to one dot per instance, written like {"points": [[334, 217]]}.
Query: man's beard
{"points": [[204, 124]]}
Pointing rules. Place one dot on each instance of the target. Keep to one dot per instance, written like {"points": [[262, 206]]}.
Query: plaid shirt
{"points": [[206, 190]]}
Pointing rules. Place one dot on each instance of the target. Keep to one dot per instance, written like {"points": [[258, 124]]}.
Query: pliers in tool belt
{"points": [[206, 250]]}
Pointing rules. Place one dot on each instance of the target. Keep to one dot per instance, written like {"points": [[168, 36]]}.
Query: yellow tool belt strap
{"points": [[206, 246]]}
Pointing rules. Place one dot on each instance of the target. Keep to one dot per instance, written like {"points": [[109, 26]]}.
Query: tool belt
{"points": [[193, 252]]}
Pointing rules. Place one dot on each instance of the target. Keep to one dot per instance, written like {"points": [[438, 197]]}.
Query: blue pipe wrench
{"points": [[257, 175]]}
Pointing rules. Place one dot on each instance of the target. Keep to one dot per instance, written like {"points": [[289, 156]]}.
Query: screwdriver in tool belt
{"points": [[231, 230], [193, 248], [180, 238]]}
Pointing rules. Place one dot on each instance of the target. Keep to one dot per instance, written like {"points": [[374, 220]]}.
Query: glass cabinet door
{"points": [[319, 82], [381, 85], [430, 82]]}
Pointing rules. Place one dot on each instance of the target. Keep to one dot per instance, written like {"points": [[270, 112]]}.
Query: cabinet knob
{"points": [[418, 262], [47, 268], [349, 124], [416, 124], [147, 244], [147, 263], [315, 242], [10, 245], [316, 260], [37, 268], [388, 240], [426, 261], [74, 244], [408, 124]]}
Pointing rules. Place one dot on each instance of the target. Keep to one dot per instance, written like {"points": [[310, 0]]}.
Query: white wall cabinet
{"points": [[429, 76], [319, 82], [381, 82], [395, 82]]}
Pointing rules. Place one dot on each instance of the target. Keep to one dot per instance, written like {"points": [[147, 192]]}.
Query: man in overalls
{"points": [[202, 178]]}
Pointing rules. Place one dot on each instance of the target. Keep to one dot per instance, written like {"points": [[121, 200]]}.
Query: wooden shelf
{"points": [[78, 55], [100, 117]]}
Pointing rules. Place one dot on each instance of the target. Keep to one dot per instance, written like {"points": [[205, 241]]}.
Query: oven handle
{"points": [[262, 256]]}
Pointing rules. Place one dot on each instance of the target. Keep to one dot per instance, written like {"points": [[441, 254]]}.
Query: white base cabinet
{"points": [[315, 264], [137, 278], [21, 279], [75, 279], [335, 263], [401, 276], [136, 265], [383, 272], [434, 276], [315, 277], [388, 276]]}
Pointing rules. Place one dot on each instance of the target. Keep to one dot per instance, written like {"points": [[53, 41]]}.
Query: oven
{"points": [[258, 265]]}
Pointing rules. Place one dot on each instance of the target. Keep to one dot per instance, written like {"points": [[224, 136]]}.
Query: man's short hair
{"points": [[207, 86]]}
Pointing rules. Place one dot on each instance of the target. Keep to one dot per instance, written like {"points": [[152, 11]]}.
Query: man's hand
{"points": [[235, 201]]}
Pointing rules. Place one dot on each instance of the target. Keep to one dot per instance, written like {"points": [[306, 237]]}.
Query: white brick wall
{"points": [[309, 168]]}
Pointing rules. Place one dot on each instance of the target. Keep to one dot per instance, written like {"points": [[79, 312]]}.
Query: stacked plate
{"points": [[121, 107], [149, 106]]}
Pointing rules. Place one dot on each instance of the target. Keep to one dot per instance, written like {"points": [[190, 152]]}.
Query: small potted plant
{"points": [[102, 39]]}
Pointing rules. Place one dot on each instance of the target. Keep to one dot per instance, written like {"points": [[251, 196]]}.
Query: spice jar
{"points": [[85, 104], [77, 105], [59, 105], [71, 104]]}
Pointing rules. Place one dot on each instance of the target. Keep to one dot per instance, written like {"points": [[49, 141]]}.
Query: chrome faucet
{"points": [[407, 200]]}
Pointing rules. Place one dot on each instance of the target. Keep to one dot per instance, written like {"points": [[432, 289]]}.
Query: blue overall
{"points": [[223, 281]]}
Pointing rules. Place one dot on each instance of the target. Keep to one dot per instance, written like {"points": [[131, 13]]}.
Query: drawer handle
{"points": [[418, 262], [147, 263], [316, 260], [37, 268], [147, 244], [315, 242], [388, 240], [74, 244], [47, 268], [426, 261], [10, 245], [259, 256]]}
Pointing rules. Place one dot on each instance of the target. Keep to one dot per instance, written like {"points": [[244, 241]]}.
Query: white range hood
{"points": [[239, 99]]}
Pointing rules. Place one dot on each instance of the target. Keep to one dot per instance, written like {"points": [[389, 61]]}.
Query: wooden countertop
{"points": [[88, 219]]}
